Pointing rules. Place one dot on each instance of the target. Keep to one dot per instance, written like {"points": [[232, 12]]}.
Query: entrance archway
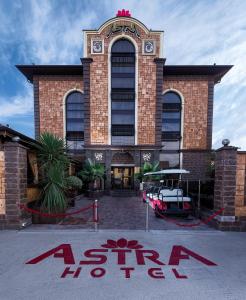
{"points": [[122, 171]]}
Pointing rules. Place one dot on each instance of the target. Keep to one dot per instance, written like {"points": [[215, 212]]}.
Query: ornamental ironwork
{"points": [[98, 156], [123, 29], [147, 156]]}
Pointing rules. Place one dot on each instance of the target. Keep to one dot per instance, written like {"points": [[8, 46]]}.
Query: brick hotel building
{"points": [[123, 105]]}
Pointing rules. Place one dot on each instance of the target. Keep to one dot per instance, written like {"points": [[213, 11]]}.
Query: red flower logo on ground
{"points": [[122, 243]]}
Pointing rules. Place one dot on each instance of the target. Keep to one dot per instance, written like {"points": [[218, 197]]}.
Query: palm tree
{"points": [[54, 162], [146, 168], [91, 172], [52, 151]]}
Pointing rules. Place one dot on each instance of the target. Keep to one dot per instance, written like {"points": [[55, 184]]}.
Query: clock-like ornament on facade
{"points": [[98, 156], [97, 46], [146, 157], [149, 47]]}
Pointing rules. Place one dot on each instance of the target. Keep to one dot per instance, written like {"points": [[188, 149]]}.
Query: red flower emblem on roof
{"points": [[123, 13], [122, 243]]}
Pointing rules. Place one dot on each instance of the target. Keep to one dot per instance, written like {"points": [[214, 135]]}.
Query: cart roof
{"points": [[168, 171]]}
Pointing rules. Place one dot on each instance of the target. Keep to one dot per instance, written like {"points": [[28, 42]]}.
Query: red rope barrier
{"points": [[206, 221], [33, 211]]}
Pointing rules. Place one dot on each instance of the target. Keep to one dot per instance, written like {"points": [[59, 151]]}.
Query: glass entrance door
{"points": [[122, 178]]}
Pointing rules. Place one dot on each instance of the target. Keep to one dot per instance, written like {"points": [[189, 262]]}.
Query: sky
{"points": [[195, 32]]}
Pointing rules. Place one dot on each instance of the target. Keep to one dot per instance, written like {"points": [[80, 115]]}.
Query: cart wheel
{"points": [[157, 212]]}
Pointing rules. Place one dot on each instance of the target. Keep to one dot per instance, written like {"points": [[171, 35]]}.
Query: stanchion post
{"points": [[147, 215], [199, 197], [96, 215]]}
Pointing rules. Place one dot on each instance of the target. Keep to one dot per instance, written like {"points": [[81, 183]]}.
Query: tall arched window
{"points": [[171, 129], [75, 121], [123, 93]]}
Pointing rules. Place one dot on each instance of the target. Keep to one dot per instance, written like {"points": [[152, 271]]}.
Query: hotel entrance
{"points": [[122, 178]]}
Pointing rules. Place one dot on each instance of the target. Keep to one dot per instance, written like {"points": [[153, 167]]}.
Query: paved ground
{"points": [[119, 213], [42, 280]]}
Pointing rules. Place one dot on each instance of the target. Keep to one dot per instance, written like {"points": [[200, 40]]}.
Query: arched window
{"points": [[171, 128], [123, 92], [75, 121]]}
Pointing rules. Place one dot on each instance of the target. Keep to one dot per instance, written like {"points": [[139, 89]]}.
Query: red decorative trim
{"points": [[206, 221], [33, 211]]}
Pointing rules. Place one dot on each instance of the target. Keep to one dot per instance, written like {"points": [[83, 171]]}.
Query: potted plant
{"points": [[53, 163], [92, 174]]}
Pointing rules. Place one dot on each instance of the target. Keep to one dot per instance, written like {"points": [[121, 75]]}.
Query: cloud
{"points": [[55, 36], [17, 105]]}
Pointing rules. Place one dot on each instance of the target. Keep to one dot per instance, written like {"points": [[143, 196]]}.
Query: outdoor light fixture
{"points": [[225, 142], [15, 139]]}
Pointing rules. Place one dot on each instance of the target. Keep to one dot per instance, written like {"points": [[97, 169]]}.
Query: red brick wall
{"points": [[15, 185], [52, 90], [146, 100], [240, 199], [195, 93], [99, 100]]}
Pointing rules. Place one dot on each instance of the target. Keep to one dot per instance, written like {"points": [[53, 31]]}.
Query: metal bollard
{"points": [[147, 215], [199, 198], [96, 215]]}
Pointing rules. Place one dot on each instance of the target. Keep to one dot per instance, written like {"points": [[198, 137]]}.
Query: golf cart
{"points": [[167, 198]]}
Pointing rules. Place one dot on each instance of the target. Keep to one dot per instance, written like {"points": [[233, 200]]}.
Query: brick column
{"points": [[159, 90], [16, 184], [225, 186], [86, 79], [108, 158]]}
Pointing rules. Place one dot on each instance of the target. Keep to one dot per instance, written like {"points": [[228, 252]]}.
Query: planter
{"points": [[39, 219]]}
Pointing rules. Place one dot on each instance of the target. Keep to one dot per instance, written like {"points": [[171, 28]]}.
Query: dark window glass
{"points": [[171, 97], [171, 116], [75, 120], [171, 106], [75, 114], [170, 127], [169, 160], [123, 46], [170, 136], [119, 118], [123, 69], [123, 82], [170, 145], [121, 105], [122, 130], [122, 75], [122, 61], [123, 92], [75, 136], [75, 126]]}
